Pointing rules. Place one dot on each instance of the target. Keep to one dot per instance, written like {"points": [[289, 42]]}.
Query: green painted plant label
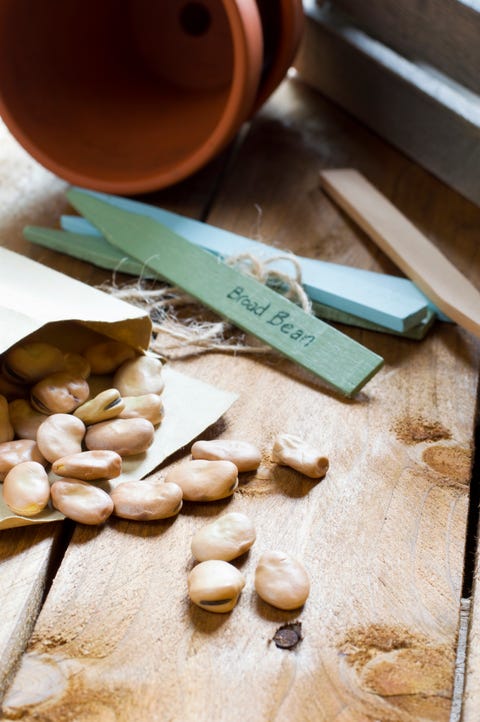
{"points": [[337, 359]]}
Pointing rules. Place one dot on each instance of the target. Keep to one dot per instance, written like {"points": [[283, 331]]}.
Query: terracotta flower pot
{"points": [[128, 96]]}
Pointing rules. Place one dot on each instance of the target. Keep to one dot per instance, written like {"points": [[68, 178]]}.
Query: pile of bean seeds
{"points": [[51, 422]]}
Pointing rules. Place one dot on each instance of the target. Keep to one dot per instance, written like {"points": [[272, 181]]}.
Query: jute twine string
{"points": [[183, 327]]}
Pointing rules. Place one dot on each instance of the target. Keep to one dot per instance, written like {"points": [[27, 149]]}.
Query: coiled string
{"points": [[183, 327]]}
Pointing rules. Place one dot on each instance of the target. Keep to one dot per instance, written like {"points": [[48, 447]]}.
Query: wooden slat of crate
{"points": [[382, 536], [432, 122], [30, 194], [443, 33]]}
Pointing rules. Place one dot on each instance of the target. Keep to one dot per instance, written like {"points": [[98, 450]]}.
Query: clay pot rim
{"points": [[247, 40], [292, 20]]}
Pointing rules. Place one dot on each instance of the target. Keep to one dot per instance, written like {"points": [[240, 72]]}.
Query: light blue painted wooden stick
{"points": [[77, 224], [81, 227], [95, 249], [386, 300], [337, 359]]}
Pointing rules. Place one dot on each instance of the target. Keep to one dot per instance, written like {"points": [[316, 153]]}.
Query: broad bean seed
{"points": [[14, 452], [202, 480], [225, 538], [106, 405], [125, 436], [60, 435], [81, 501], [77, 365], [26, 489], [140, 376], [147, 406], [59, 393], [30, 362], [281, 580], [105, 357], [89, 465], [243, 454], [146, 499], [293, 451], [25, 419], [215, 585]]}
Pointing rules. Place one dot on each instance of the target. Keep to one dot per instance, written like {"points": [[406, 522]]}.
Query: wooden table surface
{"points": [[95, 621]]}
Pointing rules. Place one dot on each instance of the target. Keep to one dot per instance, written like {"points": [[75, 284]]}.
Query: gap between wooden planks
{"points": [[382, 535], [471, 682]]}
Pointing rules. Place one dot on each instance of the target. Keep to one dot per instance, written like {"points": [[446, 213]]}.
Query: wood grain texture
{"points": [[25, 558], [430, 30], [382, 536], [430, 120]]}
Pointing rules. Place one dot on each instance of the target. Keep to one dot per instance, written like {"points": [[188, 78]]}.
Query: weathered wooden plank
{"points": [[471, 694], [443, 33], [434, 122], [382, 535], [25, 558], [25, 189], [28, 193]]}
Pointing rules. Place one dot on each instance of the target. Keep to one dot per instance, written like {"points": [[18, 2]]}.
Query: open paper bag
{"points": [[38, 302]]}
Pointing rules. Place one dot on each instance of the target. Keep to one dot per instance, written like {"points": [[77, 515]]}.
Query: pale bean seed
{"points": [[106, 405], [141, 376], [290, 450], [30, 362], [202, 480], [225, 538], [125, 436], [6, 429], [215, 585], [243, 454], [14, 452], [281, 580], [146, 499], [89, 465], [81, 501], [25, 419], [105, 357], [59, 394], [26, 489], [60, 435], [77, 365], [147, 406]]}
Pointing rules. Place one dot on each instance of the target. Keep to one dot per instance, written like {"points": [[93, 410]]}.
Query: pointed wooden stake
{"points": [[401, 241]]}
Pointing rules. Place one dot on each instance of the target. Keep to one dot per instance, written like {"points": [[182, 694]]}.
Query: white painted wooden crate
{"points": [[410, 70]]}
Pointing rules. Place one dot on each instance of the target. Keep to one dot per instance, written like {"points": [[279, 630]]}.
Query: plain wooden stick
{"points": [[412, 252]]}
